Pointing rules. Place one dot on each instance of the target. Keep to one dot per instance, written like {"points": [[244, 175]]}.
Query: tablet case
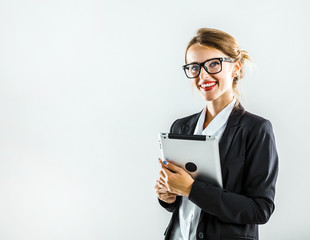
{"points": [[197, 154]]}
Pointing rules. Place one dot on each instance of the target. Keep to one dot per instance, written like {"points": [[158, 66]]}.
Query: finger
{"points": [[170, 168], [170, 194], [162, 174], [161, 162], [167, 195], [162, 185], [161, 191], [166, 173], [173, 167], [157, 184]]}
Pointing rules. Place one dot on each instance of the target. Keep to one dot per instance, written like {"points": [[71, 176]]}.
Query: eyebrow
{"points": [[204, 60]]}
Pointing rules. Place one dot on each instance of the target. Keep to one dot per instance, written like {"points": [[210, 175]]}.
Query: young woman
{"points": [[214, 65]]}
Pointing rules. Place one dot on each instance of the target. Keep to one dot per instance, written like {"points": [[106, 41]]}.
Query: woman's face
{"points": [[212, 86]]}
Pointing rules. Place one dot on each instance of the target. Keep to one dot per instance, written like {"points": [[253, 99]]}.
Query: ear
{"points": [[237, 68]]}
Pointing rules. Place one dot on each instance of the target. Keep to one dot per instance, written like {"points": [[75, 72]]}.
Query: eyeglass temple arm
{"points": [[228, 60]]}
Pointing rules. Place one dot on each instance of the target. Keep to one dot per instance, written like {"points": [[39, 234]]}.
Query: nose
{"points": [[203, 73]]}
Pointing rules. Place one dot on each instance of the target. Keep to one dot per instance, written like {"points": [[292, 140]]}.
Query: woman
{"points": [[214, 64]]}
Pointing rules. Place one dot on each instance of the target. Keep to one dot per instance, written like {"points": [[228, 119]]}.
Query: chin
{"points": [[208, 97]]}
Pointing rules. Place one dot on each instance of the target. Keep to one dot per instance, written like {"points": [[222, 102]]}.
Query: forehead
{"points": [[200, 53]]}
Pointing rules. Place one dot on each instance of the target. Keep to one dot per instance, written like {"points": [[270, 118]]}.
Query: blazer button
{"points": [[200, 235]]}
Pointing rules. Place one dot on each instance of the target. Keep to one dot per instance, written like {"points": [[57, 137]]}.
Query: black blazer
{"points": [[249, 163]]}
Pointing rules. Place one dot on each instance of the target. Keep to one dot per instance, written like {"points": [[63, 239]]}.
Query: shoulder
{"points": [[185, 120], [254, 132], [252, 121], [178, 124]]}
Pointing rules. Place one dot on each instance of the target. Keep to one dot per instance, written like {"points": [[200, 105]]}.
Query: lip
{"points": [[207, 88]]}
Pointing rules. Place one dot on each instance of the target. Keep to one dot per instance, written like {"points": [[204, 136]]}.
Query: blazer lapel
{"points": [[230, 130], [189, 127]]}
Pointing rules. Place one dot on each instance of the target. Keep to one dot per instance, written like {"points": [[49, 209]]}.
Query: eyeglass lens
{"points": [[212, 66]]}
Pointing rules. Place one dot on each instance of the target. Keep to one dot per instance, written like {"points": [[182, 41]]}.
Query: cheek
{"points": [[219, 78], [225, 79], [195, 82]]}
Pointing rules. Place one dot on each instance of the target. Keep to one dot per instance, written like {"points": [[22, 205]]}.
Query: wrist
{"points": [[189, 188]]}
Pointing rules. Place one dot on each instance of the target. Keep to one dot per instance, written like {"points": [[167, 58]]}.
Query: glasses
{"points": [[212, 66]]}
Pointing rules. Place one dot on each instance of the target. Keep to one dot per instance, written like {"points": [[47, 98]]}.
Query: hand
{"points": [[163, 194], [175, 179]]}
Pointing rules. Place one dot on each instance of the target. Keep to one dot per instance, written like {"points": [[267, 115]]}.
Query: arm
{"points": [[255, 205]]}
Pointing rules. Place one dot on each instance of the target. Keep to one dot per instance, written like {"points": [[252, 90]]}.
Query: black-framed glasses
{"points": [[212, 66]]}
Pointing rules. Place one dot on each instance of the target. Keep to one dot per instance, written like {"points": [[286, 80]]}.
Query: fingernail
{"points": [[165, 162]]}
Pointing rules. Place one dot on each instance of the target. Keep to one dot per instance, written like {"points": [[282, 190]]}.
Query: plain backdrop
{"points": [[85, 87]]}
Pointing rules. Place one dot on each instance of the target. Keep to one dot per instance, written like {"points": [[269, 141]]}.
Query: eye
{"points": [[194, 68], [214, 64]]}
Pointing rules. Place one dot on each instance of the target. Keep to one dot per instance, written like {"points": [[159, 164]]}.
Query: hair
{"points": [[225, 43]]}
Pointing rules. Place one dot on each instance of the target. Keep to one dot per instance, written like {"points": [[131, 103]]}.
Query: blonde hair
{"points": [[225, 43]]}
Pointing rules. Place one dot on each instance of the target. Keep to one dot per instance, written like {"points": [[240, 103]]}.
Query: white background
{"points": [[85, 86]]}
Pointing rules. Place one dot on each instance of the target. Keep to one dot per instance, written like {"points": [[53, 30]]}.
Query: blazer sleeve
{"points": [[170, 207], [255, 205]]}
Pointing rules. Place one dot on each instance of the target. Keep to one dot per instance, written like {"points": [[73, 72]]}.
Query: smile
{"points": [[208, 86]]}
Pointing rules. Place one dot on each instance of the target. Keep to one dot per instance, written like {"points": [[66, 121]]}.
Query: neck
{"points": [[216, 106]]}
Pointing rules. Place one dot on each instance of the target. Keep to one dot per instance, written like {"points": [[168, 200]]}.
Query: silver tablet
{"points": [[197, 154]]}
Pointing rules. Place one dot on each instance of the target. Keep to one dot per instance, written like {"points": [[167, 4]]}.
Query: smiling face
{"points": [[213, 87]]}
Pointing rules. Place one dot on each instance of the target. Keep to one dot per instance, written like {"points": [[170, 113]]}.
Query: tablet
{"points": [[196, 154]]}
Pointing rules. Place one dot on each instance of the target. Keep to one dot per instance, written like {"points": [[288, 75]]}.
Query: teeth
{"points": [[208, 84]]}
